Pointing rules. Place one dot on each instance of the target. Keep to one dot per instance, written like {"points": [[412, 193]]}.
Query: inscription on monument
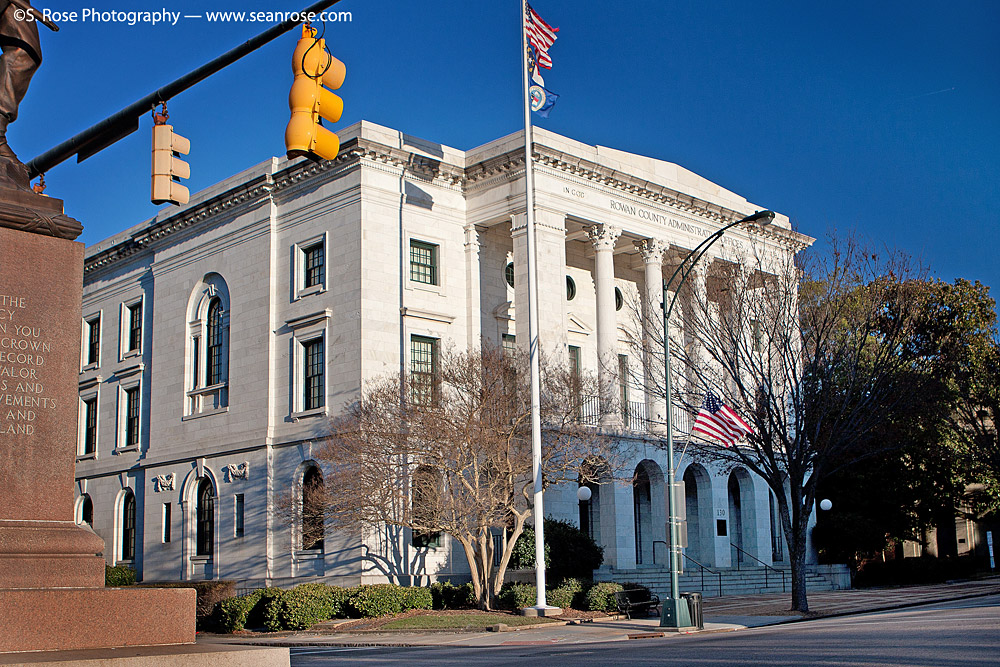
{"points": [[23, 351]]}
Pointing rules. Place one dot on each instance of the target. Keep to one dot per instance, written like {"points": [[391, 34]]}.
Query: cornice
{"points": [[504, 168]]}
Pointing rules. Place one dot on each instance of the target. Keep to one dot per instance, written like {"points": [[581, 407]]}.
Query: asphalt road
{"points": [[964, 633]]}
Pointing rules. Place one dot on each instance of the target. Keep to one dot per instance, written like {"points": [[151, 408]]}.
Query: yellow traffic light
{"points": [[315, 70], [167, 168]]}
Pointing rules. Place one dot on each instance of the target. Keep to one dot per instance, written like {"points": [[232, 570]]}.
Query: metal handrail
{"points": [[766, 566], [703, 568]]}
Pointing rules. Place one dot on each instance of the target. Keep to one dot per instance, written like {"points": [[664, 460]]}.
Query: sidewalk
{"points": [[725, 614]]}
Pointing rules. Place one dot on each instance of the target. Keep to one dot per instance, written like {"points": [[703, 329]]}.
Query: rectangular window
{"points": [[93, 340], [758, 336], [509, 342], [238, 509], [314, 394], [423, 369], [423, 262], [166, 522], [574, 360], [135, 327], [90, 425], [132, 417], [313, 263]]}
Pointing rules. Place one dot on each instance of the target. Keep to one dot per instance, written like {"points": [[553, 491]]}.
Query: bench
{"points": [[636, 599]]}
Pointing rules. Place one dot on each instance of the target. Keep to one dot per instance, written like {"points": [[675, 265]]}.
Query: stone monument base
{"points": [[60, 619], [203, 655]]}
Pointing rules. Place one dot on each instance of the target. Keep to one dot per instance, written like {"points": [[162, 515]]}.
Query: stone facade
{"points": [[215, 321]]}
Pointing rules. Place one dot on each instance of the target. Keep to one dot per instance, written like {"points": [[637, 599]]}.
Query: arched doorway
{"points": [[741, 516], [698, 509], [649, 513]]}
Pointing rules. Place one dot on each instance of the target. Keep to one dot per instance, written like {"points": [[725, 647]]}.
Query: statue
{"points": [[22, 55]]}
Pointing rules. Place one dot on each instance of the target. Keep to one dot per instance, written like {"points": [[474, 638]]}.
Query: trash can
{"points": [[694, 609]]}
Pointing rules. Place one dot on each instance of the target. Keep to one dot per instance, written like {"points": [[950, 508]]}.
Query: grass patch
{"points": [[479, 621]]}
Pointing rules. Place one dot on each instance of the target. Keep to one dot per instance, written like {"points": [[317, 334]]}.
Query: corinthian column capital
{"points": [[651, 250], [604, 237]]}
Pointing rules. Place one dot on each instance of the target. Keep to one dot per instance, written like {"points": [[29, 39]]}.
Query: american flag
{"points": [[717, 420], [541, 36]]}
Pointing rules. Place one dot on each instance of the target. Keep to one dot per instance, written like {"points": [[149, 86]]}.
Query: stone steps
{"points": [[745, 581]]}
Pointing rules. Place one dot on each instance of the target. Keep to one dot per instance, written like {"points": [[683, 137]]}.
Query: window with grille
{"points": [[423, 262], [313, 514], [90, 425], [93, 340], [132, 417], [216, 333], [423, 369], [313, 386], [135, 327], [205, 518], [128, 527], [509, 342], [313, 261]]}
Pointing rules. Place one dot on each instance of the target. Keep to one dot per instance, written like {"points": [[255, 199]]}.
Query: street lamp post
{"points": [[675, 612]]}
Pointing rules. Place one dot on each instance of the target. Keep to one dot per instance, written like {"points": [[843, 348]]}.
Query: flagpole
{"points": [[540, 608]]}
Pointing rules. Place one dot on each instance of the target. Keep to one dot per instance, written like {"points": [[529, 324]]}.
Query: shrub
{"points": [[447, 595], [574, 552], [601, 597], [119, 575], [569, 552], [417, 597], [569, 593], [304, 606], [233, 613], [374, 600], [515, 596], [523, 555]]}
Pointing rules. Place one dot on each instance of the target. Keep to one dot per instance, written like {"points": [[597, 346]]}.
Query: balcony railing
{"points": [[634, 417]]}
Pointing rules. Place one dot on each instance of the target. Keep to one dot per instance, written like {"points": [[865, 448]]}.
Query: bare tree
{"points": [[812, 357], [452, 454]]}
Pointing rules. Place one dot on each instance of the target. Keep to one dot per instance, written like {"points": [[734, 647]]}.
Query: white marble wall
{"points": [[366, 210]]}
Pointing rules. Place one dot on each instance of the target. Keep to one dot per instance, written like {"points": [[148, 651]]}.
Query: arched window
{"points": [[208, 346], [213, 358], [205, 517], [311, 537], [87, 510], [127, 550]]}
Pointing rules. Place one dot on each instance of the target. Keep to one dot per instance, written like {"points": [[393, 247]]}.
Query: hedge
{"points": [[516, 596], [446, 595], [304, 606], [570, 593], [119, 575], [233, 613], [601, 597]]}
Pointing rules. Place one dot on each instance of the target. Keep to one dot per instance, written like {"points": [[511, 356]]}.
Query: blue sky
{"points": [[880, 117]]}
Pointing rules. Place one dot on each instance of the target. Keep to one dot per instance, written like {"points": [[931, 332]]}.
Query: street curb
{"points": [[891, 607]]}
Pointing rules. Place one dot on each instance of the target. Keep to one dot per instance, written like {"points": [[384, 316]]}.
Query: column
{"points": [[651, 251], [550, 271], [604, 238], [473, 300]]}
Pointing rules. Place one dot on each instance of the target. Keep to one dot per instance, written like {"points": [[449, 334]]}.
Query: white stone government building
{"points": [[220, 337]]}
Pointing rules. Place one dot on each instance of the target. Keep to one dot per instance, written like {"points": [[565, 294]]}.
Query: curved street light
{"points": [[674, 615]]}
